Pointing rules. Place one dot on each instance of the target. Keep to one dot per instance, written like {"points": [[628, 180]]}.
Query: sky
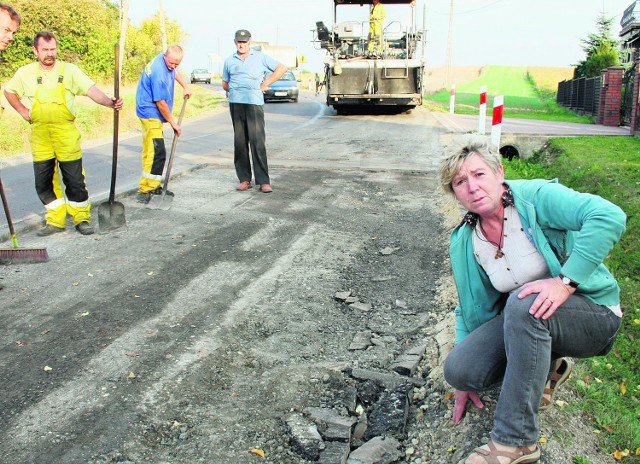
{"points": [[494, 32]]}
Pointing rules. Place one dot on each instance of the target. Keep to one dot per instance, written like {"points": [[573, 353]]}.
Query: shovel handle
{"points": [[116, 120], [173, 145], [5, 204]]}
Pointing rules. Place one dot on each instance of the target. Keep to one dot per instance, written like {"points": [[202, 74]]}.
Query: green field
{"points": [[522, 97]]}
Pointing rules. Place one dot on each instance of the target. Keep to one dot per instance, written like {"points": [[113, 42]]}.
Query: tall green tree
{"points": [[86, 31], [601, 50], [151, 28]]}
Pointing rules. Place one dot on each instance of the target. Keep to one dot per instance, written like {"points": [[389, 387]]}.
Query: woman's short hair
{"points": [[458, 153]]}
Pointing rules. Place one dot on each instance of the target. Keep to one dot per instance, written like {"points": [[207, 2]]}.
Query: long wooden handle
{"points": [[116, 120], [175, 142], [5, 204]]}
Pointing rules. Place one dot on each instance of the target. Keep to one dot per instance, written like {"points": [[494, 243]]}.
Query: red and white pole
{"points": [[452, 98], [482, 121], [496, 125]]}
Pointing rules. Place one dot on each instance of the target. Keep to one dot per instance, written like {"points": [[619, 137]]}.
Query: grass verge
{"points": [[608, 387]]}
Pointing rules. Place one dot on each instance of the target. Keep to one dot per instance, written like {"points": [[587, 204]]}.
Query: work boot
{"points": [[48, 229], [158, 191], [143, 197], [85, 228], [266, 188]]}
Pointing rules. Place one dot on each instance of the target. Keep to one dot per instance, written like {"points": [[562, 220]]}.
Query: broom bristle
{"points": [[23, 255]]}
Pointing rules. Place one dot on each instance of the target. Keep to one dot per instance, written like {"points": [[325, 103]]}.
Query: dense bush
{"points": [[87, 31]]}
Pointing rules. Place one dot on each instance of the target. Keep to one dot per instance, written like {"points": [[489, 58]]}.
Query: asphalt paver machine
{"points": [[365, 70]]}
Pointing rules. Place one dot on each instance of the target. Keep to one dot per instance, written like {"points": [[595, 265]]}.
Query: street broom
{"points": [[16, 254]]}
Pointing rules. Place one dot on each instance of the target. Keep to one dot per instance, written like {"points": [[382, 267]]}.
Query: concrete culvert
{"points": [[509, 152]]}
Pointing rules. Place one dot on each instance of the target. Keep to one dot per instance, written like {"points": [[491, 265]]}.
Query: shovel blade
{"points": [[111, 216], [162, 201]]}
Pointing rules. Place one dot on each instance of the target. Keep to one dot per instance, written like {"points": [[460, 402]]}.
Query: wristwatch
{"points": [[567, 281]]}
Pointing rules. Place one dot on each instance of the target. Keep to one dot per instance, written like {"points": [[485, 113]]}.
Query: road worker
{"points": [[154, 106], [9, 22], [50, 87], [376, 23]]}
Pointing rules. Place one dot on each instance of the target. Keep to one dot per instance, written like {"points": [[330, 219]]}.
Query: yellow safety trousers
{"points": [[376, 23], [55, 136], [154, 154]]}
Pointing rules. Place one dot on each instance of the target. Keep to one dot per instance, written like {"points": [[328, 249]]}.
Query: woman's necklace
{"points": [[499, 252]]}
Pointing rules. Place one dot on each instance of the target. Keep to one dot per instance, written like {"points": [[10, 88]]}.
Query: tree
{"points": [[151, 28], [86, 31], [601, 50]]}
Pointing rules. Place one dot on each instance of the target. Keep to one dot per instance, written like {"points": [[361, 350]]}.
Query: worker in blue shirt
{"points": [[243, 77], [154, 106]]}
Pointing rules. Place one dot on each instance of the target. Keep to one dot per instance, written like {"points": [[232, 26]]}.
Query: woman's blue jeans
{"points": [[516, 349]]}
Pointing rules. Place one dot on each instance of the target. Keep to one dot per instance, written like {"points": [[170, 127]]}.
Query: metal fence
{"points": [[628, 100], [581, 95]]}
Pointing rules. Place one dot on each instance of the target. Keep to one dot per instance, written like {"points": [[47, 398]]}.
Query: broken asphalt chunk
{"points": [[366, 307], [378, 450], [305, 438], [388, 250], [342, 295], [332, 426], [361, 341]]}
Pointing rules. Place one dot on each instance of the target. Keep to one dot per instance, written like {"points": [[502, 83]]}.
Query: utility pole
{"points": [[449, 40], [219, 58], [163, 27], [124, 25]]}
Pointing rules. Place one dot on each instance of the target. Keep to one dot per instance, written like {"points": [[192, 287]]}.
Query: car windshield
{"points": [[200, 71], [288, 76]]}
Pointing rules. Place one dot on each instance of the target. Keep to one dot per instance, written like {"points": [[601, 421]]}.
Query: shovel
{"points": [[111, 213], [163, 201]]}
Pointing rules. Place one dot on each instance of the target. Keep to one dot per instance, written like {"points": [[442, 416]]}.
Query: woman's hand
{"points": [[552, 293], [460, 404]]}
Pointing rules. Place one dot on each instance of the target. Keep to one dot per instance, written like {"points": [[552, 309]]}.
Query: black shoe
{"points": [[48, 229], [158, 191], [85, 228]]}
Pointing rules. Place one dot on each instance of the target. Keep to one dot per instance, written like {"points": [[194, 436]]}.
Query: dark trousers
{"points": [[72, 175], [248, 128]]}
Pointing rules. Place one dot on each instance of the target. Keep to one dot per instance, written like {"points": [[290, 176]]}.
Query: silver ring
{"points": [[550, 300]]}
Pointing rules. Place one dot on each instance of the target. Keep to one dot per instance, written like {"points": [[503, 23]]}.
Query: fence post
{"points": [[610, 96], [496, 124], [452, 98], [482, 121]]}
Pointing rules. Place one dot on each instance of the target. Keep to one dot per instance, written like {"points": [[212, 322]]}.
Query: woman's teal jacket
{"points": [[573, 231]]}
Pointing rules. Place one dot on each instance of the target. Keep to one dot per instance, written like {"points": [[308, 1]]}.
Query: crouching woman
{"points": [[533, 291]]}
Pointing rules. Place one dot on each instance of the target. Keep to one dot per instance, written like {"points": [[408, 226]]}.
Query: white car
{"points": [[200, 75]]}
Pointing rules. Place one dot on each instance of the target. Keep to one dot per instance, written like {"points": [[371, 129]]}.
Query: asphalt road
{"points": [[218, 315], [208, 139]]}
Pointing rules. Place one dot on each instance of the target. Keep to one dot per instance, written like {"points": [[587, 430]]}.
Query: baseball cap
{"points": [[243, 35]]}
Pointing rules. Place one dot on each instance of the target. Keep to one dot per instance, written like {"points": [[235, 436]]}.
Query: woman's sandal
{"points": [[522, 455], [561, 371]]}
